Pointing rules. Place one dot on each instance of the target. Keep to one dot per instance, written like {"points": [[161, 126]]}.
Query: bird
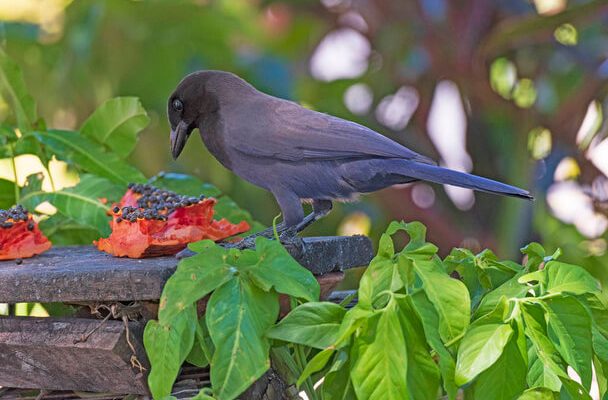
{"points": [[298, 154]]}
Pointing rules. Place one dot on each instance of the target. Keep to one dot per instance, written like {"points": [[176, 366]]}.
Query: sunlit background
{"points": [[512, 89]]}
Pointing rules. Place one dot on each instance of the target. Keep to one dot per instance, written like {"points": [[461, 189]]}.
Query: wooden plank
{"points": [[46, 353], [81, 273]]}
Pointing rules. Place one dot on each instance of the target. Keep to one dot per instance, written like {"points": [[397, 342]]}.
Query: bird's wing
{"points": [[290, 132]]}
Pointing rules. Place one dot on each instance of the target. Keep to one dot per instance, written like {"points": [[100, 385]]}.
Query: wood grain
{"points": [[81, 273], [42, 353]]}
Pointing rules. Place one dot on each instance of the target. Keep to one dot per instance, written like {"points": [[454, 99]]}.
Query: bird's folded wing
{"points": [[292, 133]]}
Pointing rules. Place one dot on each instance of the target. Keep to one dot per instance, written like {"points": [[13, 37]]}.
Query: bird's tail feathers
{"points": [[447, 176]]}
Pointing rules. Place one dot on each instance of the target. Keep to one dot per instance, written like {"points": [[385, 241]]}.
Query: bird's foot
{"points": [[249, 241]]}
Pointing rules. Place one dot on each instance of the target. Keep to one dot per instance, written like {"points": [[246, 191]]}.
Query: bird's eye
{"points": [[178, 105]]}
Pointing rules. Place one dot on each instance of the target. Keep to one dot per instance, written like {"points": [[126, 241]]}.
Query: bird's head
{"points": [[197, 96]]}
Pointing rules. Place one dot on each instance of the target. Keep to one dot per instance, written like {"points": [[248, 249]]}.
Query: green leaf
{"points": [[423, 376], [539, 393], [202, 349], [480, 348], [569, 327], [89, 156], [203, 396], [279, 270], [536, 255], [64, 231], [80, 203], [13, 85], [382, 275], [568, 278], [116, 124], [379, 358], [505, 379], [337, 384], [316, 364], [601, 371], [510, 289], [430, 322], [7, 194], [353, 320], [238, 316], [195, 277], [536, 330], [449, 296], [539, 374], [167, 347], [312, 324], [184, 184]]}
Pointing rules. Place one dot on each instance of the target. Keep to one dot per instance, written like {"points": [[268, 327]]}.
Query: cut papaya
{"points": [[19, 235], [152, 222]]}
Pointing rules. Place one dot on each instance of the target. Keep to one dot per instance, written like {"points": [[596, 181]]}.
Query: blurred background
{"points": [[510, 89]]}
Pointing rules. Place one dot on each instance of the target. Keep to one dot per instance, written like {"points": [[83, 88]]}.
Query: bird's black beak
{"points": [[179, 137]]}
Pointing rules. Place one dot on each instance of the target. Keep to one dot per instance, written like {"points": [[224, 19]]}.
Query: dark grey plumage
{"points": [[296, 153]]}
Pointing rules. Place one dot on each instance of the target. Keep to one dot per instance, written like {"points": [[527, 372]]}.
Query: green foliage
{"points": [[517, 330], [242, 306], [82, 208], [116, 124], [97, 152]]}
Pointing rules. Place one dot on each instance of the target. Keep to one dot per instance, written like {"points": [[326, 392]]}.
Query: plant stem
{"points": [[301, 360], [14, 166]]}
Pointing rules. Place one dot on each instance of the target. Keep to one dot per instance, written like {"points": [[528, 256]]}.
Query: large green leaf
{"points": [[569, 328], [277, 269], [116, 124], [430, 322], [7, 194], [89, 156], [505, 379], [568, 278], [80, 203], [379, 358], [480, 348], [449, 296], [312, 324], [238, 316], [167, 347], [13, 85], [423, 376], [195, 277]]}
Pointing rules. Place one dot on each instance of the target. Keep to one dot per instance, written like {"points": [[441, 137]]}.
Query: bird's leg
{"points": [[320, 208]]}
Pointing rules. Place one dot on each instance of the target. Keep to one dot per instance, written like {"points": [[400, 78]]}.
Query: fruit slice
{"points": [[19, 235], [152, 222]]}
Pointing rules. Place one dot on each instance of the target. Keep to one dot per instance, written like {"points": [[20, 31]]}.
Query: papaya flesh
{"points": [[151, 222], [20, 236]]}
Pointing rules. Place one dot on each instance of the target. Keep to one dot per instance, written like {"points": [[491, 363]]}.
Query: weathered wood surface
{"points": [[81, 273], [42, 353]]}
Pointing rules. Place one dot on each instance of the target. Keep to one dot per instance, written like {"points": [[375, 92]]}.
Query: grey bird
{"points": [[299, 154]]}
